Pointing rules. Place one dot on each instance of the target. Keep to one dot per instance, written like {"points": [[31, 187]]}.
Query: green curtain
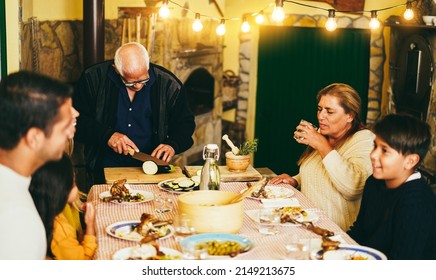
{"points": [[294, 63]]}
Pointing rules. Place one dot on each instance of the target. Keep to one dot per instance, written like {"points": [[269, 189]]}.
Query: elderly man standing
{"points": [[36, 121], [130, 102]]}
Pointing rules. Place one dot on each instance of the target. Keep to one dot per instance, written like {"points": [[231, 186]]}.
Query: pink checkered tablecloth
{"points": [[266, 247]]}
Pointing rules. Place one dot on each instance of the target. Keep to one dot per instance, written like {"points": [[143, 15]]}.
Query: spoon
{"points": [[235, 150]]}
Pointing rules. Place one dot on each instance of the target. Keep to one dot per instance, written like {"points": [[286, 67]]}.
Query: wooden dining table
{"points": [[266, 247]]}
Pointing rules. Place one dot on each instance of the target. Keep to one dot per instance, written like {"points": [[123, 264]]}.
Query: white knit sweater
{"points": [[335, 184]]}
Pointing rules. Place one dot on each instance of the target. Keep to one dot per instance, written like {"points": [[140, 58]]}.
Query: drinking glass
{"points": [[162, 203], [302, 138], [269, 220], [192, 251], [297, 249], [183, 227]]}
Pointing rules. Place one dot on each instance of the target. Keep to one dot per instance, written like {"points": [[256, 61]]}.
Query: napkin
{"points": [[280, 202]]}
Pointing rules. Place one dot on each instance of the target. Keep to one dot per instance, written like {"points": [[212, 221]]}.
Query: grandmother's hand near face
{"points": [[307, 134]]}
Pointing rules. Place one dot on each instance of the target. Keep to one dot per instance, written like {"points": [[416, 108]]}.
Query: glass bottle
{"points": [[210, 173]]}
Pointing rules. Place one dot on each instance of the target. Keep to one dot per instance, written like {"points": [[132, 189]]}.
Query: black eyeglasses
{"points": [[132, 84]]}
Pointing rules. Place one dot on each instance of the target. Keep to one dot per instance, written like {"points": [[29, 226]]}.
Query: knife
{"points": [[145, 157]]}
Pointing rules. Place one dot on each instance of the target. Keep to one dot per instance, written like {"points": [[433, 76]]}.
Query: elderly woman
{"points": [[336, 163]]}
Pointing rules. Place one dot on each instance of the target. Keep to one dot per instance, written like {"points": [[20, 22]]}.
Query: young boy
{"points": [[398, 211]]}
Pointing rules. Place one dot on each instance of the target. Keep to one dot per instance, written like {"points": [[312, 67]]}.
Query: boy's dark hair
{"points": [[27, 100], [404, 133]]}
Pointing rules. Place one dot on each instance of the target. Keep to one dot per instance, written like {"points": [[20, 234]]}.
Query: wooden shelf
{"points": [[410, 26]]}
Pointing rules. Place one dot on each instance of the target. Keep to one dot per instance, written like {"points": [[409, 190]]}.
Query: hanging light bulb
{"points": [[374, 23], [331, 24], [221, 29], [278, 15], [164, 12], [260, 19], [408, 13], [197, 26], [245, 27]]}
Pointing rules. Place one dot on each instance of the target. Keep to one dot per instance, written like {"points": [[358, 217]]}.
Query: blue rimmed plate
{"points": [[246, 244], [349, 252], [124, 230]]}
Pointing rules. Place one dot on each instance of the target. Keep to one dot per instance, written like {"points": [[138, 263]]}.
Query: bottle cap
{"points": [[212, 146]]}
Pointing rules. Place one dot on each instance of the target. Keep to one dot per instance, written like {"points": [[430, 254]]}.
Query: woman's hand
{"points": [[306, 133], [285, 179]]}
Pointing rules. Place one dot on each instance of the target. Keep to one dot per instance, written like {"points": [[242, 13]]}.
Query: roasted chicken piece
{"points": [[320, 231], [149, 225], [119, 189], [261, 188], [328, 244]]}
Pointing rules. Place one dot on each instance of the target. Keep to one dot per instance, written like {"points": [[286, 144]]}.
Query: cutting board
{"points": [[250, 174], [135, 175]]}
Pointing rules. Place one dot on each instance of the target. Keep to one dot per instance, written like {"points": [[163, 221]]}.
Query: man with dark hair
{"points": [[127, 103], [36, 121]]}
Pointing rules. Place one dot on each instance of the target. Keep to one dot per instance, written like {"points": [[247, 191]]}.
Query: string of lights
{"points": [[278, 15]]}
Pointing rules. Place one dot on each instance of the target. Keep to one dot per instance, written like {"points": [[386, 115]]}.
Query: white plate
{"points": [[123, 230], [136, 251], [148, 196], [349, 252], [273, 192], [160, 185], [311, 217]]}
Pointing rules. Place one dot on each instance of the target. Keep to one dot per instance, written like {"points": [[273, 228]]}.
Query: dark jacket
{"points": [[96, 98]]}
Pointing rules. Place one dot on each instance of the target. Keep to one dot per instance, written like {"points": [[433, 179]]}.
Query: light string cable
{"points": [[374, 22]]}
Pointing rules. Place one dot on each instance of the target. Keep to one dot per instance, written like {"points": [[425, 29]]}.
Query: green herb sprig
{"points": [[248, 147]]}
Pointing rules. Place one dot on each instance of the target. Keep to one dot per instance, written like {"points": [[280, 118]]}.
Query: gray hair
{"points": [[135, 54]]}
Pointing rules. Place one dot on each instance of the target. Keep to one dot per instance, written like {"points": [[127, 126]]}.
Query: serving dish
{"points": [[210, 212], [198, 239]]}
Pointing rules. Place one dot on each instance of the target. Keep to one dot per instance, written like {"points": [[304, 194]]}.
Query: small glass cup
{"points": [[269, 219], [194, 251], [183, 228], [162, 203], [299, 130], [297, 249]]}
